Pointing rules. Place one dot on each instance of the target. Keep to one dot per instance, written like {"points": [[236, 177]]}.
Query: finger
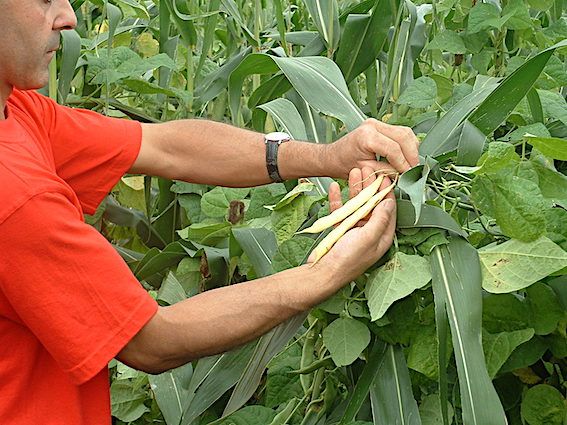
{"points": [[335, 201], [354, 179], [403, 136], [382, 223], [391, 150], [368, 176]]}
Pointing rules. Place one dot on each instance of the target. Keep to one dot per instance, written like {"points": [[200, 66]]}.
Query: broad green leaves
{"points": [[396, 279], [516, 265], [543, 404], [345, 339], [515, 202]]}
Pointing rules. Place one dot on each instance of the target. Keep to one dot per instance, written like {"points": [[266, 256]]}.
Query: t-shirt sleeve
{"points": [[69, 286], [91, 151]]}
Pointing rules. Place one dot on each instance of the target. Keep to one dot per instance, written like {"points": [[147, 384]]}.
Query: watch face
{"points": [[278, 136]]}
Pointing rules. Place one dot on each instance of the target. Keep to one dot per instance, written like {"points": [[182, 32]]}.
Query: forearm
{"points": [[202, 151], [218, 320]]}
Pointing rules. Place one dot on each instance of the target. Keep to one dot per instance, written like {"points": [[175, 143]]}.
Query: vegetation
{"points": [[464, 320]]}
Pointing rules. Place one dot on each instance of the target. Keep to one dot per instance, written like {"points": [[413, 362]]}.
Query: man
{"points": [[68, 303]]}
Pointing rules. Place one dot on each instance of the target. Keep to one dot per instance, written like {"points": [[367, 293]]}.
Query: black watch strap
{"points": [[273, 142], [272, 160]]}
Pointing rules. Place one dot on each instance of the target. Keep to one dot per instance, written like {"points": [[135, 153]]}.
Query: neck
{"points": [[5, 91]]}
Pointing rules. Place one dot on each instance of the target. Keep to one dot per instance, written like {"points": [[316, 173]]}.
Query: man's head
{"points": [[29, 37]]}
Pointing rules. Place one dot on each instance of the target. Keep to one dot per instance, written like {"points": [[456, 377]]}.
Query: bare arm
{"points": [[224, 318], [202, 151]]}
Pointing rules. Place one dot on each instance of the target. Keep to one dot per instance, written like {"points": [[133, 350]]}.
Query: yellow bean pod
{"points": [[347, 209], [327, 243]]}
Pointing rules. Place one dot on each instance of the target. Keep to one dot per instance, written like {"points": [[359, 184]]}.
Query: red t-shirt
{"points": [[68, 303]]}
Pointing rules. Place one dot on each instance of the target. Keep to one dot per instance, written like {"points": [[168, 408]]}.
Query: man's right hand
{"points": [[365, 244]]}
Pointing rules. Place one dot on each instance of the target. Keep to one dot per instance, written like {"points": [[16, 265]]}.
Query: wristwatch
{"points": [[273, 141]]}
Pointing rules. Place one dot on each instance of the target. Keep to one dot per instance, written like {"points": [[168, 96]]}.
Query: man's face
{"points": [[29, 35]]}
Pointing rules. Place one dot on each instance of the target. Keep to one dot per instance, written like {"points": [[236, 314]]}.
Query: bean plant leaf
{"points": [[515, 202], [545, 308], [543, 405], [292, 253], [552, 184], [250, 415], [345, 339], [457, 284], [498, 347], [395, 280], [515, 265], [430, 217], [287, 220], [421, 93], [215, 203], [552, 147], [448, 41]]}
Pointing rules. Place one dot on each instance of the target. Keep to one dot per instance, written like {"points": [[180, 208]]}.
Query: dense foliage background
{"points": [[463, 321]]}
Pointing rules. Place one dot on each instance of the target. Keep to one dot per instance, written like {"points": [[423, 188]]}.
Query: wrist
{"points": [[303, 159]]}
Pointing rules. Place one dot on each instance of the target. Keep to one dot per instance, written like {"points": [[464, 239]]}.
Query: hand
{"points": [[365, 244], [358, 149]]}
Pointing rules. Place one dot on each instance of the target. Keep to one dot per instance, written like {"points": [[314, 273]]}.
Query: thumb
{"points": [[381, 217]]}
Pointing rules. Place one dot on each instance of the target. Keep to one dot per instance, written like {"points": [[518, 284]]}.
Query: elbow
{"points": [[147, 351]]}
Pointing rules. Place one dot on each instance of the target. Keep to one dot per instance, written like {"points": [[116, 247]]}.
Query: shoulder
{"points": [[22, 181]]}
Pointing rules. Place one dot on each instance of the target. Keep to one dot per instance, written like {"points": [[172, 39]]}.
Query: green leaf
{"points": [[127, 401], [363, 38], [499, 156], [171, 392], [325, 14], [260, 246], [286, 115], [421, 93], [318, 80], [498, 347], [552, 184], [249, 415], [430, 411], [423, 352], [430, 217], [554, 105], [364, 383], [448, 41], [292, 253], [215, 203], [545, 308], [287, 220], [302, 188], [483, 16], [552, 147], [345, 339], [515, 202], [457, 288], [395, 280], [205, 233], [171, 291], [515, 265], [281, 385], [212, 377], [518, 15], [266, 347], [543, 405], [262, 196], [391, 393], [504, 313]]}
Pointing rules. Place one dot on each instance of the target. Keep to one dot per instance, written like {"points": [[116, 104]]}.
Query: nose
{"points": [[66, 18]]}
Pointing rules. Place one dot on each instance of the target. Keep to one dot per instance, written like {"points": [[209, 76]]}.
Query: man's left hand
{"points": [[359, 149]]}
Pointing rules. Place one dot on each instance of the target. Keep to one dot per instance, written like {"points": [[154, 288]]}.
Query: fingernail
{"points": [[388, 205]]}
